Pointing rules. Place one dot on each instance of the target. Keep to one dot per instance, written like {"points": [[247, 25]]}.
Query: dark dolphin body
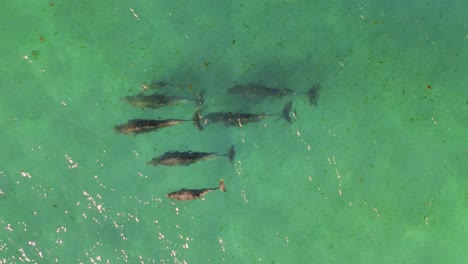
{"points": [[186, 158], [140, 126], [155, 101], [156, 85], [233, 119], [259, 91], [191, 194], [286, 112], [313, 94], [237, 119]]}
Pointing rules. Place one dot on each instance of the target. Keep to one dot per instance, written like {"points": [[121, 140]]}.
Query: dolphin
{"points": [[141, 126], [188, 157], [156, 85], [237, 119], [155, 101], [192, 194], [313, 94], [260, 91]]}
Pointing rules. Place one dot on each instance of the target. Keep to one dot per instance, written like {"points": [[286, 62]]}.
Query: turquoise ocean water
{"points": [[375, 173]]}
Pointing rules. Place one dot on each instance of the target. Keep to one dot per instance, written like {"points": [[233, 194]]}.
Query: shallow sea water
{"points": [[375, 173]]}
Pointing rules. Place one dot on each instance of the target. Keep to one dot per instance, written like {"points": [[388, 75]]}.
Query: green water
{"points": [[375, 173]]}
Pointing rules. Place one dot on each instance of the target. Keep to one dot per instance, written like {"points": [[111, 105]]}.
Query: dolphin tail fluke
{"points": [[313, 94], [222, 187], [231, 153], [201, 99], [286, 112], [197, 120]]}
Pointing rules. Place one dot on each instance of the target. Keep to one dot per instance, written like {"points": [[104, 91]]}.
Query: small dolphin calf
{"points": [[140, 126], [192, 194], [259, 91], [186, 158]]}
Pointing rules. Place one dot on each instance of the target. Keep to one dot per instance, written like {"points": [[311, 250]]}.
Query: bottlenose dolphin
{"points": [[186, 158], [260, 91], [191, 194], [140, 126], [237, 119], [156, 85], [313, 94], [155, 101]]}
